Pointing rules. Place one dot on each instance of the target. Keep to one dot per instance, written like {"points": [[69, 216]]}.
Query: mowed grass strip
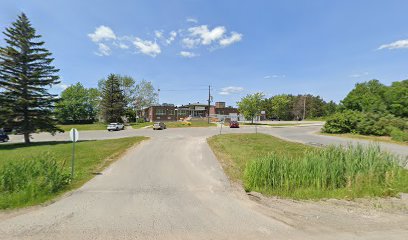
{"points": [[291, 170], [83, 127], [29, 173], [141, 125], [195, 123]]}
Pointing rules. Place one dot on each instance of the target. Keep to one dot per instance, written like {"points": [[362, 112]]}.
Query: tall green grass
{"points": [[353, 171], [25, 181]]}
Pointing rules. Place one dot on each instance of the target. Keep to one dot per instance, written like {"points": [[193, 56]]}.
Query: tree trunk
{"points": [[26, 138]]}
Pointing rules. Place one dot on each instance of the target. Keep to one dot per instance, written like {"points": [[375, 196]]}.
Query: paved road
{"points": [[304, 134], [169, 187]]}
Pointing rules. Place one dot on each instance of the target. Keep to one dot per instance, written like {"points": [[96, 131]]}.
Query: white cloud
{"points": [[357, 75], [231, 90], [102, 33], [123, 46], [274, 76], [147, 47], [395, 45], [188, 54], [158, 34], [192, 20], [61, 86], [173, 35], [103, 50], [207, 36], [190, 42], [235, 37]]}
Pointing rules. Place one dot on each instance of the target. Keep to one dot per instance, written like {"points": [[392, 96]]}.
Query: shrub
{"points": [[24, 181], [399, 135], [342, 122], [364, 123], [140, 120], [353, 171]]}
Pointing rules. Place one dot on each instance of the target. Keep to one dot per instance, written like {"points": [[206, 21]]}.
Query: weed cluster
{"points": [[25, 181], [353, 171]]}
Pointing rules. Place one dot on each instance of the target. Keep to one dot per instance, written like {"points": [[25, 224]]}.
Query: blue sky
{"points": [[237, 47]]}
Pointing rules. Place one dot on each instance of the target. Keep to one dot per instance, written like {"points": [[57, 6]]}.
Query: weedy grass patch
{"points": [[35, 173], [287, 169]]}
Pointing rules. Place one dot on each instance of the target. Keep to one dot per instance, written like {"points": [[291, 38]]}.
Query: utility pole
{"points": [[158, 96], [209, 100], [304, 107]]}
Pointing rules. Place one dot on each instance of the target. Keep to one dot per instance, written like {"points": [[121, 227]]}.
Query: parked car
{"points": [[115, 126], [234, 124], [3, 136], [159, 125]]}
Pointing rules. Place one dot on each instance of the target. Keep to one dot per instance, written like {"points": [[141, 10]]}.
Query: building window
{"points": [[220, 112], [160, 112], [170, 112], [183, 112]]}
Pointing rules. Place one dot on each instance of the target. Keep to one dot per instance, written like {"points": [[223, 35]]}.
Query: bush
{"points": [[364, 123], [399, 135], [140, 120], [342, 122], [354, 171], [24, 181]]}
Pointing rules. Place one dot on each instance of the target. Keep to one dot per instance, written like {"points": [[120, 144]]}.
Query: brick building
{"points": [[170, 112]]}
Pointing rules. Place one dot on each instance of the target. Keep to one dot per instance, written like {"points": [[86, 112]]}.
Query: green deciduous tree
{"points": [[396, 97], [26, 75], [145, 95], [366, 97], [330, 108], [251, 105], [281, 106], [78, 105], [113, 101]]}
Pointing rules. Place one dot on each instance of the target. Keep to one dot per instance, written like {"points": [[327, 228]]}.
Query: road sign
{"points": [[74, 135]]}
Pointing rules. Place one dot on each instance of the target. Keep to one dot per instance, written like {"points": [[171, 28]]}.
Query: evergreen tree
{"points": [[113, 100], [26, 74]]}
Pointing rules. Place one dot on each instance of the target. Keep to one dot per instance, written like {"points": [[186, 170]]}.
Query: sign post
{"points": [[74, 136]]}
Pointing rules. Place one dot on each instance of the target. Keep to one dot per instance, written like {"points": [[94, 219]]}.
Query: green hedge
{"points": [[367, 124]]}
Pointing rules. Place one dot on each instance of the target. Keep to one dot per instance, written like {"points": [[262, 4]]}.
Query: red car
{"points": [[234, 124]]}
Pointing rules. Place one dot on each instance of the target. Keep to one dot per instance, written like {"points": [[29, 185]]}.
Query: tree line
{"points": [[286, 106], [373, 108], [27, 74], [118, 98]]}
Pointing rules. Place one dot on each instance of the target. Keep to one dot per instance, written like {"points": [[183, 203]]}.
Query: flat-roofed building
{"points": [[169, 112]]}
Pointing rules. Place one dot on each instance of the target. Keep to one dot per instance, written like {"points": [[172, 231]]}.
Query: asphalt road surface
{"points": [[169, 187], [303, 134]]}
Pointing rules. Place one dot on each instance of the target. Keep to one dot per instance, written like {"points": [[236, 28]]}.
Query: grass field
{"points": [[276, 167], [140, 125], [272, 125], [84, 127], [91, 158], [386, 139], [190, 124]]}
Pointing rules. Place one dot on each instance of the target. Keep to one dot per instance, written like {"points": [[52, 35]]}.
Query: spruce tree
{"points": [[26, 74], [113, 100]]}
